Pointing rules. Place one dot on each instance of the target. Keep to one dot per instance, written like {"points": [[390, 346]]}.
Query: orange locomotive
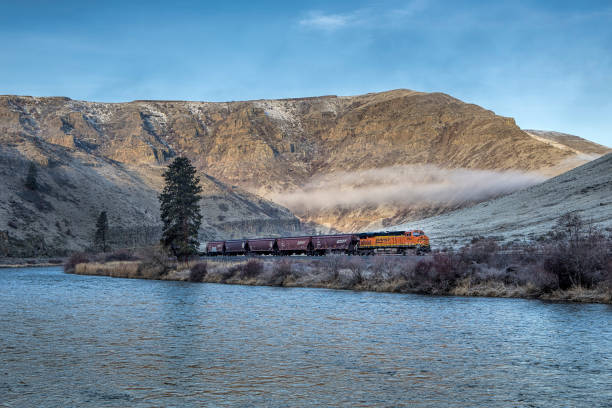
{"points": [[399, 242]]}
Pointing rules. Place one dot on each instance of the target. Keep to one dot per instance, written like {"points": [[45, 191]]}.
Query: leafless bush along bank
{"points": [[572, 262]]}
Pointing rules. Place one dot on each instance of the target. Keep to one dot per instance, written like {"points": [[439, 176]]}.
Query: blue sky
{"points": [[548, 64]]}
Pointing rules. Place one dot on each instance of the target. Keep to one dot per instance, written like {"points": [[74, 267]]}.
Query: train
{"points": [[367, 243]]}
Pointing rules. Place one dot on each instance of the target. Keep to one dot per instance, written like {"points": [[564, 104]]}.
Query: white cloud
{"points": [[370, 16], [328, 22]]}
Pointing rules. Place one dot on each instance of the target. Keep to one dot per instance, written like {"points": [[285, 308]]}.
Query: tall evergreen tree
{"points": [[31, 182], [180, 212], [101, 236]]}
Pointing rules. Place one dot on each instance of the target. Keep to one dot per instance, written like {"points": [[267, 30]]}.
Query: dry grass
{"points": [[466, 287], [116, 269], [398, 274], [581, 294]]}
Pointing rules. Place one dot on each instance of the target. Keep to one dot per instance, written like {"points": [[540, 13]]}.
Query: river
{"points": [[69, 340]]}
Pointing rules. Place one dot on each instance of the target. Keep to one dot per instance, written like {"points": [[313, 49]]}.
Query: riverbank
{"points": [[29, 262], [430, 276]]}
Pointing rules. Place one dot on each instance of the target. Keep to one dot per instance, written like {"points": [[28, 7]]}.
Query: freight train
{"points": [[369, 243]]}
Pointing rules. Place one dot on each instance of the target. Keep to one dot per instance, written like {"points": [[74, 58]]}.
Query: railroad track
{"points": [[303, 258]]}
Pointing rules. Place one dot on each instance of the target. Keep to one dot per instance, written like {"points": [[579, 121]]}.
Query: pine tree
{"points": [[180, 212], [101, 236], [31, 182]]}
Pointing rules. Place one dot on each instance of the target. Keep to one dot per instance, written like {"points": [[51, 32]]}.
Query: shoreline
{"points": [[30, 262], [279, 274]]}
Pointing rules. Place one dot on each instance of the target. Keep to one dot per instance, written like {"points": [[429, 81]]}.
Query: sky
{"points": [[548, 64]]}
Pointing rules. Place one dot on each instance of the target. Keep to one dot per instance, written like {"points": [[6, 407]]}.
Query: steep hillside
{"points": [[531, 212], [574, 143], [294, 149], [583, 150], [75, 186]]}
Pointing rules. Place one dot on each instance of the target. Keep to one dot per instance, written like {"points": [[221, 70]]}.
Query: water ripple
{"points": [[70, 340]]}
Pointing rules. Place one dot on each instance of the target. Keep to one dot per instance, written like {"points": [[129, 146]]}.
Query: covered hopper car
{"points": [[236, 247], [215, 248], [345, 243], [263, 246], [295, 245]]}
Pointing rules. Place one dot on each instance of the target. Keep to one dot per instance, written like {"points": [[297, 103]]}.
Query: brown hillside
{"points": [[275, 147], [59, 217]]}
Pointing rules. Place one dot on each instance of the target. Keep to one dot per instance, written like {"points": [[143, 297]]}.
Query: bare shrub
{"points": [[421, 276], [357, 267], [75, 259], [480, 251], [581, 259], [544, 281], [383, 268], [251, 269], [220, 272], [226, 274], [332, 264], [422, 269], [442, 264], [445, 273], [282, 271], [155, 262], [197, 273], [569, 227], [120, 255], [283, 268], [526, 253]]}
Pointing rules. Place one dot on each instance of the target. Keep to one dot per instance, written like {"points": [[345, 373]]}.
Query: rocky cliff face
{"points": [[303, 153]]}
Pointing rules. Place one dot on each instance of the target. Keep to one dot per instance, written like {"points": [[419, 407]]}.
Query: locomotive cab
{"points": [[419, 239]]}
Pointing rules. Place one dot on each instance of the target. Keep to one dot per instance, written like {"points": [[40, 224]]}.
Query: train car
{"points": [[236, 247], [342, 243], [214, 248], [399, 242], [295, 245], [263, 246]]}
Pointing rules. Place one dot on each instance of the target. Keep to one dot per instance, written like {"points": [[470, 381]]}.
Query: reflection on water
{"points": [[70, 340]]}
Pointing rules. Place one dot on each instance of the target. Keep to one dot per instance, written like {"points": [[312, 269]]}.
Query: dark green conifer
{"points": [[31, 182], [180, 212], [101, 236]]}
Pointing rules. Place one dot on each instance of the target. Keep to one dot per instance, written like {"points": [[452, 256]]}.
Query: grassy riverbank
{"points": [[435, 275], [572, 262]]}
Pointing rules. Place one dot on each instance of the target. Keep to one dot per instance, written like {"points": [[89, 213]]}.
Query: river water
{"points": [[69, 340]]}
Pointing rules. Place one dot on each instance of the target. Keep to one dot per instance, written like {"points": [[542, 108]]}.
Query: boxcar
{"points": [[215, 248], [295, 245], [263, 245]]}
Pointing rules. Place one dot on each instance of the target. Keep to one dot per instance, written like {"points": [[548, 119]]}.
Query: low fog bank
{"points": [[406, 185]]}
